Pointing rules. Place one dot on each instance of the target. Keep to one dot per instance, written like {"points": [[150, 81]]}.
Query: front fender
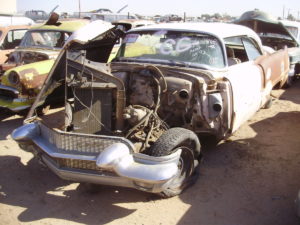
{"points": [[32, 75]]}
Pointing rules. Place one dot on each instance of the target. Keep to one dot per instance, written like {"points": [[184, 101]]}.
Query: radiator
{"points": [[92, 110]]}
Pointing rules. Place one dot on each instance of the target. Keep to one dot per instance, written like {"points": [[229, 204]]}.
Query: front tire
{"points": [[171, 141]]}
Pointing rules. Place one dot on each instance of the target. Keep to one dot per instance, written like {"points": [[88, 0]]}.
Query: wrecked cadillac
{"points": [[276, 35], [28, 65], [136, 122]]}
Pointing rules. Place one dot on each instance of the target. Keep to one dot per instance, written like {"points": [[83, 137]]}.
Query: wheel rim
{"points": [[185, 165]]}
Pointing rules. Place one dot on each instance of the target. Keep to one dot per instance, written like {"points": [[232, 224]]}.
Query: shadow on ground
{"points": [[9, 122], [250, 181], [243, 181], [292, 93], [41, 193]]}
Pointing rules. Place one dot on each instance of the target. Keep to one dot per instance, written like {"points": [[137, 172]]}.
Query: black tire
{"points": [[189, 143]]}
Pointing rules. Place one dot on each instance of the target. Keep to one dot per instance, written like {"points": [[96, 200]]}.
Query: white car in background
{"points": [[293, 27], [136, 122], [8, 19]]}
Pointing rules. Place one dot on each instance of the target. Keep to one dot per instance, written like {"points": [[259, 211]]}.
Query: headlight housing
{"points": [[14, 78]]}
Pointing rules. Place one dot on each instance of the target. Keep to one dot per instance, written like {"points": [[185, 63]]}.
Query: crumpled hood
{"points": [[90, 32], [96, 38], [262, 22]]}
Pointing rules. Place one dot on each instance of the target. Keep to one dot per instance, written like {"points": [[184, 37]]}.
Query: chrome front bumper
{"points": [[9, 99], [107, 160]]}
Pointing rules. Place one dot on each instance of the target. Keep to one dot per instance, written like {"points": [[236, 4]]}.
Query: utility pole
{"points": [[79, 8], [283, 12]]}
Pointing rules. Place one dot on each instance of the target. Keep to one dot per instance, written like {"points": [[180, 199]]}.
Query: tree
{"points": [[291, 17], [217, 16]]}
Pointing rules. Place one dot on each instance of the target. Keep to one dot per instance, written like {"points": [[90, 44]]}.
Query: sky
{"points": [[163, 7]]}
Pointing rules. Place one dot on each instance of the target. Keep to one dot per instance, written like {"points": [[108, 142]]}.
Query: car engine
{"points": [[138, 101]]}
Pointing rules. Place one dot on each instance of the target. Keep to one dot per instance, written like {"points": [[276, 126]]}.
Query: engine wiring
{"points": [[149, 127], [151, 120]]}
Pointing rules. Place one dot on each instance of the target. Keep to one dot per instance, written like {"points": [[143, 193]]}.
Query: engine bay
{"points": [[138, 101]]}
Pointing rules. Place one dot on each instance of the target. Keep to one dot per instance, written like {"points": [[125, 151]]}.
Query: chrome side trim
{"points": [[14, 90]]}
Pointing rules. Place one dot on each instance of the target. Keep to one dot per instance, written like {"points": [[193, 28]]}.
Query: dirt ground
{"points": [[253, 178]]}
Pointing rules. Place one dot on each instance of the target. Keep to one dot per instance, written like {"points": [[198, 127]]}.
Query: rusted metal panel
{"points": [[275, 66]]}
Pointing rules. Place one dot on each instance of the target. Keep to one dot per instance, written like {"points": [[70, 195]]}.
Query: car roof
{"points": [[221, 30], [67, 25], [13, 27]]}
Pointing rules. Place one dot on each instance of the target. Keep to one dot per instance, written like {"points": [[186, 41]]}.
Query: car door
{"points": [[247, 82]]}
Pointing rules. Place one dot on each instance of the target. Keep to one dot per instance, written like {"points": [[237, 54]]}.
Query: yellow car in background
{"points": [[29, 64]]}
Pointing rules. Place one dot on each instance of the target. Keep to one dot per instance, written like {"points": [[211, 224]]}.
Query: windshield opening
{"points": [[50, 39], [173, 47], [293, 30]]}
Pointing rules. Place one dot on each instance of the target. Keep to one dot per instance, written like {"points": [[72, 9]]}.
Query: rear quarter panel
{"points": [[275, 66]]}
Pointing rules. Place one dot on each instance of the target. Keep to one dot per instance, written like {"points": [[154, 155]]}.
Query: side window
{"points": [[19, 34], [235, 50], [252, 50], [13, 39]]}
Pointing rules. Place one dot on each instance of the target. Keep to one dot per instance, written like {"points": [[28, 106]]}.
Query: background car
{"points": [[274, 34], [37, 15], [29, 64], [293, 27], [10, 37], [137, 121], [10, 19]]}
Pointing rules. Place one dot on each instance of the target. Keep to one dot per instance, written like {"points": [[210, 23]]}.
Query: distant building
{"points": [[8, 7]]}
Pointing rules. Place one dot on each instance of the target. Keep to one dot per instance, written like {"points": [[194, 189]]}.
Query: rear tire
{"points": [[171, 141]]}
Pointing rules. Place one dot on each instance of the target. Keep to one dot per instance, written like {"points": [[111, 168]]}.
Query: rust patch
{"points": [[31, 79]]}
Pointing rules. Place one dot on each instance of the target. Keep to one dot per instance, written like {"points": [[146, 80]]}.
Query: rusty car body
{"points": [[275, 34], [29, 64], [10, 37], [137, 121]]}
